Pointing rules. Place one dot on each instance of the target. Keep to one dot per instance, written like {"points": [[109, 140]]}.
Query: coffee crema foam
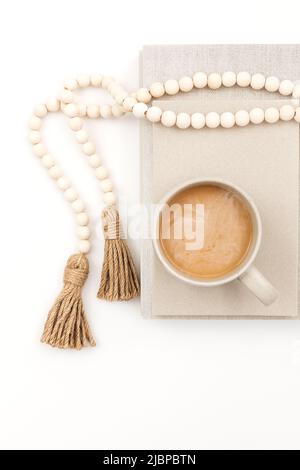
{"points": [[226, 234]]}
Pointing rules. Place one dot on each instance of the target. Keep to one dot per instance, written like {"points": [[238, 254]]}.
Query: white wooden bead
{"points": [[257, 115], [106, 185], [154, 114], [117, 110], [183, 120], [78, 206], [93, 111], [186, 84], [243, 79], [71, 110], [89, 148], [82, 218], [83, 81], [272, 84], [76, 123], [82, 136], [71, 84], [82, 109], [101, 172], [296, 91], [83, 232], [227, 119], [258, 81], [143, 95], [39, 150], [34, 137], [212, 120], [297, 115], [66, 96], [71, 195], [200, 80], [271, 115], [84, 246], [109, 198], [168, 118], [55, 172], [95, 160], [286, 112], [53, 104], [40, 110], [105, 111], [286, 87], [157, 89], [242, 118], [35, 123], [171, 87], [198, 120], [63, 183], [228, 79], [139, 110], [96, 80], [129, 102], [48, 161], [214, 81]]}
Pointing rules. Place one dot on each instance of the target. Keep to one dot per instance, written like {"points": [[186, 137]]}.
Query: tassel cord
{"points": [[66, 325], [119, 279]]}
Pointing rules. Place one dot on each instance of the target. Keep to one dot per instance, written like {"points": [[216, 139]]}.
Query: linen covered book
{"points": [[262, 160]]}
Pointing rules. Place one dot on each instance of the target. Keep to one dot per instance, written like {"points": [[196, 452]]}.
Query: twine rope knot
{"points": [[111, 224], [76, 271]]}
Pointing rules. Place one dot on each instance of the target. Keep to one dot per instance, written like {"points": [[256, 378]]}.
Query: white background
{"points": [[148, 384]]}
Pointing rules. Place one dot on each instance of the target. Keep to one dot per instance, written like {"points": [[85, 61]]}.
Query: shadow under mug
{"points": [[245, 272]]}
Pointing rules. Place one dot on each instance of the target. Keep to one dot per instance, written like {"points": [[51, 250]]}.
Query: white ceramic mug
{"points": [[246, 272]]}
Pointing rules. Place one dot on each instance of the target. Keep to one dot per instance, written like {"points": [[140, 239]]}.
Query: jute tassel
{"points": [[119, 279], [66, 325]]}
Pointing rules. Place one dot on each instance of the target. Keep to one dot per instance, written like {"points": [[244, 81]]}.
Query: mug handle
{"points": [[259, 285]]}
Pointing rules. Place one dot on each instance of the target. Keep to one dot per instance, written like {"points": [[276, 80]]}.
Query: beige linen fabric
{"points": [[263, 160]]}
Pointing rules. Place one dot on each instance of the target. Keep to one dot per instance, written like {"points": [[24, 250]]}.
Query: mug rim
{"points": [[230, 276]]}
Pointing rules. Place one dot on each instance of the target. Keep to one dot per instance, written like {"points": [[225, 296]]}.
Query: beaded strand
{"points": [[56, 172], [212, 120]]}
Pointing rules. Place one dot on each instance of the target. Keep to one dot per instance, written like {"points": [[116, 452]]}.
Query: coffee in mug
{"points": [[206, 231]]}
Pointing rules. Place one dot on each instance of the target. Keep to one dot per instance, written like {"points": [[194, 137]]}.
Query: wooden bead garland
{"points": [[66, 325]]}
